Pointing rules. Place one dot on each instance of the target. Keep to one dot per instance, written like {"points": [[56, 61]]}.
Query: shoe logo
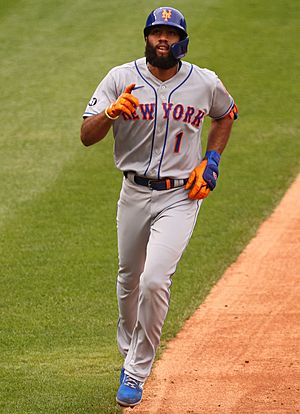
{"points": [[138, 87]]}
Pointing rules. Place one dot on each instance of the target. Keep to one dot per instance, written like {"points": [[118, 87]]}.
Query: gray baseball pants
{"points": [[154, 228]]}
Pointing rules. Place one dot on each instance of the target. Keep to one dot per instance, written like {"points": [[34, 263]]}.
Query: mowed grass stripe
{"points": [[58, 261]]}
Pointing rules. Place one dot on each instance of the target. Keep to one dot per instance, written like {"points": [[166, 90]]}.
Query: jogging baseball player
{"points": [[156, 106]]}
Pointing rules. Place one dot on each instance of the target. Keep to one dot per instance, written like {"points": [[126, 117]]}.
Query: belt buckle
{"points": [[150, 182]]}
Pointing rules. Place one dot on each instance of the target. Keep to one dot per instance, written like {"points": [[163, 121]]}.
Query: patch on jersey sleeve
{"points": [[93, 101]]}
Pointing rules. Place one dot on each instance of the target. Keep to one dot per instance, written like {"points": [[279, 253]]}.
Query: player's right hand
{"points": [[197, 184], [126, 102]]}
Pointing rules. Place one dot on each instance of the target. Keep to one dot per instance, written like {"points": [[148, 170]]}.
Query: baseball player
{"points": [[156, 106]]}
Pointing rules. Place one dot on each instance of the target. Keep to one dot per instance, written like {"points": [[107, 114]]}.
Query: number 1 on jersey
{"points": [[178, 139]]}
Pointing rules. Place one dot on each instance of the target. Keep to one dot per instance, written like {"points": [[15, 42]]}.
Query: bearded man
{"points": [[156, 106]]}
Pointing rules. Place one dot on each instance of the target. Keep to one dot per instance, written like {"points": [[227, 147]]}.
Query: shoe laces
{"points": [[132, 383]]}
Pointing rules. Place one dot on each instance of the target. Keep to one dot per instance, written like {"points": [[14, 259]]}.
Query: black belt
{"points": [[159, 185]]}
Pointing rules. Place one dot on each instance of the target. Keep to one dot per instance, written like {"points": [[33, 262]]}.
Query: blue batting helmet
{"points": [[168, 16]]}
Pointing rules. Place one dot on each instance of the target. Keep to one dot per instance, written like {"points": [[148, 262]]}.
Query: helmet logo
{"points": [[166, 15]]}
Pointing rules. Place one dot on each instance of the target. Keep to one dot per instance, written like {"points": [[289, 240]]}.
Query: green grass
{"points": [[58, 262]]}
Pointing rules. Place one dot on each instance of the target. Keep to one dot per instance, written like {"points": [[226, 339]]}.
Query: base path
{"points": [[239, 353]]}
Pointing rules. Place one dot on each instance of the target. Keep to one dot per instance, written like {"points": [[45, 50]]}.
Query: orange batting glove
{"points": [[125, 103], [199, 187]]}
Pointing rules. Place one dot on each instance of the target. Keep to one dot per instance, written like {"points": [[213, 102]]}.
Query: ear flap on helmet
{"points": [[179, 49]]}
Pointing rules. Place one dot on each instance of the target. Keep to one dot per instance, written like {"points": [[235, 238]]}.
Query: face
{"points": [[158, 46]]}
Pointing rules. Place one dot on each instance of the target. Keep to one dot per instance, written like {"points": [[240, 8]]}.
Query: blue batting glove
{"points": [[211, 171]]}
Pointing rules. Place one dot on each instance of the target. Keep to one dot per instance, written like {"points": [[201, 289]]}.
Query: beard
{"points": [[162, 62]]}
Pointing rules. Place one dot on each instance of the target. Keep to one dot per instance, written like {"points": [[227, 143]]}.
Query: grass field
{"points": [[58, 259]]}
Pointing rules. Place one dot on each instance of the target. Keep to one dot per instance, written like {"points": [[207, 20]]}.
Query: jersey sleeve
{"points": [[222, 101], [103, 96]]}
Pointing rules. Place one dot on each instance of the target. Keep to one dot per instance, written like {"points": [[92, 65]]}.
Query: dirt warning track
{"points": [[239, 353]]}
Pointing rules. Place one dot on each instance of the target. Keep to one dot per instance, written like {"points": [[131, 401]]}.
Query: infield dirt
{"points": [[239, 352]]}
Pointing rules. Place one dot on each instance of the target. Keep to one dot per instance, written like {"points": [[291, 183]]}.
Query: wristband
{"points": [[212, 157], [110, 117]]}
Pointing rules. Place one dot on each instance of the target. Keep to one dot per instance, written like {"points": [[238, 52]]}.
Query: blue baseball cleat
{"points": [[130, 392], [122, 375]]}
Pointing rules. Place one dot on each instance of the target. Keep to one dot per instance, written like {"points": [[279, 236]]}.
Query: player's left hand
{"points": [[199, 187], [203, 178]]}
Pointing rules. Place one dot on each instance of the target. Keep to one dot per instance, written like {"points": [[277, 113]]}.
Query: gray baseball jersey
{"points": [[162, 138]]}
